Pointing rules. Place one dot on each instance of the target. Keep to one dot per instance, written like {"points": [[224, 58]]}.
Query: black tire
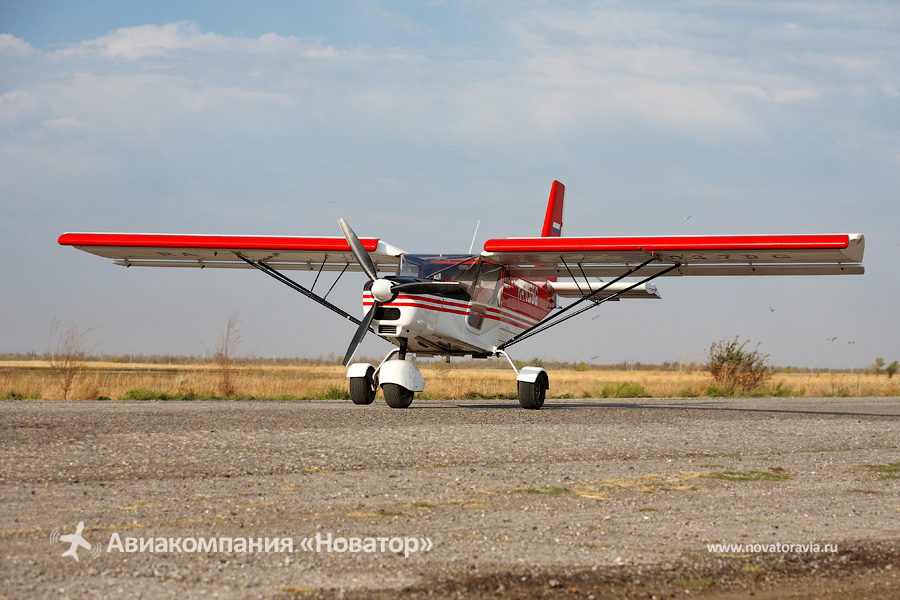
{"points": [[397, 396], [363, 389], [531, 395]]}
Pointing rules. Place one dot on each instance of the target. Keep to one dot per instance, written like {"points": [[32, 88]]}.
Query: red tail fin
{"points": [[554, 219]]}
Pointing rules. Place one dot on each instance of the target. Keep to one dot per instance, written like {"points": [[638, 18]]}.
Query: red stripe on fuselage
{"points": [[508, 316]]}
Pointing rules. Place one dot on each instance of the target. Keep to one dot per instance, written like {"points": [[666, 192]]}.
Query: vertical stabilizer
{"points": [[554, 219]]}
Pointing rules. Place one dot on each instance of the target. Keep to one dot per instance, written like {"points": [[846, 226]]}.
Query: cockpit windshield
{"points": [[482, 278], [440, 267]]}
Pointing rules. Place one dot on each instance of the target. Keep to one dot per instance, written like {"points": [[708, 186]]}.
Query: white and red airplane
{"points": [[480, 304]]}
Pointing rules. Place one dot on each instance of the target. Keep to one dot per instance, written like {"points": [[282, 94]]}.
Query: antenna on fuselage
{"points": [[472, 245]]}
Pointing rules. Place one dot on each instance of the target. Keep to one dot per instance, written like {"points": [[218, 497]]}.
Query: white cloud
{"points": [[64, 124], [698, 65], [14, 47], [17, 107], [776, 95], [144, 41]]}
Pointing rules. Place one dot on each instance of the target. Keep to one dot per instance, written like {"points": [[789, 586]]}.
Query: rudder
{"points": [[554, 217]]}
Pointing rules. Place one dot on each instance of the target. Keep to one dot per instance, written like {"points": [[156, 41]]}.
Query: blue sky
{"points": [[416, 120]]}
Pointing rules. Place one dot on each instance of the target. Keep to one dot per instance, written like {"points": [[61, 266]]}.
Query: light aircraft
{"points": [[76, 540], [480, 304]]}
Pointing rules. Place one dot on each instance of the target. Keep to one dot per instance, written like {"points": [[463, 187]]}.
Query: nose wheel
{"points": [[397, 396], [399, 379]]}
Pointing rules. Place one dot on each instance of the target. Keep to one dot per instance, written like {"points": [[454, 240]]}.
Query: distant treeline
{"points": [[334, 359]]}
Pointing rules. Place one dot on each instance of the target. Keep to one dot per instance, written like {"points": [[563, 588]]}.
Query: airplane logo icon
{"points": [[76, 540]]}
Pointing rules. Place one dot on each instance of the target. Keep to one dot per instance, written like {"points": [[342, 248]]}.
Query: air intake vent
{"points": [[387, 313], [387, 329]]}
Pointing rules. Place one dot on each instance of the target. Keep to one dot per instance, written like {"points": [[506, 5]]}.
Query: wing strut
{"points": [[322, 266], [555, 319], [308, 293], [569, 271]]}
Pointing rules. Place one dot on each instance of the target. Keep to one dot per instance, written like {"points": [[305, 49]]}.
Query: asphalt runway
{"points": [[602, 498]]}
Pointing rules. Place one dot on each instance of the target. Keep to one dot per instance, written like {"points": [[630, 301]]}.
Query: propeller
{"points": [[383, 290], [362, 257]]}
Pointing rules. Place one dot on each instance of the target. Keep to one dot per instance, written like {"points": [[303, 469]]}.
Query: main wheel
{"points": [[397, 396], [531, 395], [363, 389]]}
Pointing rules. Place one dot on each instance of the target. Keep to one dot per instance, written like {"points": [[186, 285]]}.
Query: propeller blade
{"points": [[360, 333], [429, 287], [362, 257]]}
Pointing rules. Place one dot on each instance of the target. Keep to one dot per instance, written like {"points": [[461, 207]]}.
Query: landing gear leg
{"points": [[532, 384]]}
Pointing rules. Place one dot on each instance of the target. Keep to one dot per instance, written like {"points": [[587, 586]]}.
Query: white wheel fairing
{"points": [[402, 373]]}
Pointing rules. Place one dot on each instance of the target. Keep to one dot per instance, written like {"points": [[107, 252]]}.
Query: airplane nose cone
{"points": [[381, 290]]}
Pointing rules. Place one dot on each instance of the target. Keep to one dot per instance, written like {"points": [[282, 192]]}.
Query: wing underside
{"points": [[742, 255], [230, 251]]}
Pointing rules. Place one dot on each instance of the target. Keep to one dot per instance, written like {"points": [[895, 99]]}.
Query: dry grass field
{"points": [[124, 381]]}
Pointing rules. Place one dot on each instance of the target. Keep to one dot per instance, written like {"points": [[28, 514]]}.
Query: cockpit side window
{"points": [[410, 266], [487, 285]]}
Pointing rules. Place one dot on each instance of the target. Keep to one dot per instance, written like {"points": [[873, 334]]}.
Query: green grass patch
{"points": [[147, 394], [688, 391], [333, 392], [722, 391], [649, 489], [152, 395], [624, 389], [423, 504], [696, 584], [17, 395], [779, 390], [547, 491], [887, 471], [774, 474]]}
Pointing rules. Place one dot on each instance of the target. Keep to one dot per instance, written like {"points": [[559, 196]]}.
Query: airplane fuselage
{"points": [[496, 307]]}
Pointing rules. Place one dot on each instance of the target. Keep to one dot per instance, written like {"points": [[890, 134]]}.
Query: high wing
{"points": [[231, 251], [824, 254]]}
